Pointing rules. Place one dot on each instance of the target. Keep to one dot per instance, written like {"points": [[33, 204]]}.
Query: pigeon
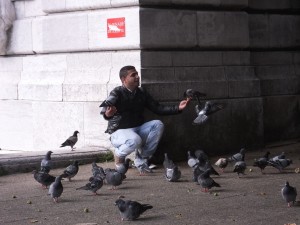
{"points": [[238, 156], [190, 93], [110, 101], [98, 171], [205, 164], [200, 153], [281, 156], [222, 163], [123, 167], [197, 171], [56, 189], [43, 178], [71, 141], [209, 109], [289, 194], [192, 161], [280, 164], [172, 172], [95, 183], [113, 178], [206, 181], [240, 167], [131, 210], [71, 170], [262, 162], [46, 163], [142, 168]]}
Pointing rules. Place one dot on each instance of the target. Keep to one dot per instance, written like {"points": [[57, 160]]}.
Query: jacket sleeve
{"points": [[111, 99], [156, 107]]}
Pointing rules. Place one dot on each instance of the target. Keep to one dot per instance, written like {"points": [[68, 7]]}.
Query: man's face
{"points": [[132, 80]]}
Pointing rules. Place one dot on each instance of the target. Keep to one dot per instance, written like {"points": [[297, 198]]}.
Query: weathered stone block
{"points": [[271, 58], [9, 84], [236, 58], [222, 29], [242, 82], [156, 58], [269, 4], [106, 35], [52, 62], [50, 6], [197, 58], [42, 86], [259, 31], [281, 117], [167, 28], [11, 64], [34, 8], [20, 41], [71, 33]]}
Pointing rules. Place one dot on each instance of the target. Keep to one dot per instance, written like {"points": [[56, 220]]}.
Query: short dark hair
{"points": [[124, 71]]}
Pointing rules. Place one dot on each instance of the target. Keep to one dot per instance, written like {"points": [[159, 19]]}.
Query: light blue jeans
{"points": [[145, 138]]}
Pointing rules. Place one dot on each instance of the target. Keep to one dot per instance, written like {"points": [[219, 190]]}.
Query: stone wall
{"points": [[62, 63]]}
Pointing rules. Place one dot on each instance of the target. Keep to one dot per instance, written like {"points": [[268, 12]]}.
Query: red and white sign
{"points": [[116, 27]]}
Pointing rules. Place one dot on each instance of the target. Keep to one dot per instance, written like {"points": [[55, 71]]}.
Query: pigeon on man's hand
{"points": [[131, 210], [71, 170], [95, 183], [208, 109], [46, 163], [56, 189], [289, 194], [172, 172], [71, 141], [45, 179]]}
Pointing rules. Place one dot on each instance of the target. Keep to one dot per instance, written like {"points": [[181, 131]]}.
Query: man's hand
{"points": [[110, 111], [184, 103]]}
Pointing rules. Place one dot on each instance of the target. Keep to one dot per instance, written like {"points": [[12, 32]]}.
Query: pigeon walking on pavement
{"points": [[46, 163], [280, 156], [43, 178], [142, 166], [131, 210], [289, 194], [113, 178], [280, 164], [262, 162], [172, 172], [206, 181], [240, 167], [56, 189], [238, 156], [71, 141], [200, 153], [222, 163], [192, 160], [94, 184], [98, 171], [71, 170], [123, 167]]}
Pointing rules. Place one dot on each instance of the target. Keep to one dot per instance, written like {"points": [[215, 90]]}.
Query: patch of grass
{"points": [[106, 157], [3, 172]]}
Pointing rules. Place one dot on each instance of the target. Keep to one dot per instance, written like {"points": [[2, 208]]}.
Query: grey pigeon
{"points": [[208, 109], [131, 210], [113, 178], [110, 101], [43, 178], [205, 164], [200, 153], [192, 160], [222, 163], [190, 93], [46, 163], [71, 141], [280, 156], [71, 170], [123, 167], [98, 171], [143, 167], [289, 194], [240, 167], [238, 156], [197, 171], [56, 189], [95, 183], [280, 164], [172, 172], [262, 162], [206, 181]]}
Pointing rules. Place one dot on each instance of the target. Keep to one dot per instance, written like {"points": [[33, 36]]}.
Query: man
{"points": [[124, 110]]}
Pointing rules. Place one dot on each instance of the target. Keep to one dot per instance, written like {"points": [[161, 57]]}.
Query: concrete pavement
{"points": [[251, 200]]}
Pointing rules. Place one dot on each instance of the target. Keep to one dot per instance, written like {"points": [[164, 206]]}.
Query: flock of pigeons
{"points": [[198, 161]]}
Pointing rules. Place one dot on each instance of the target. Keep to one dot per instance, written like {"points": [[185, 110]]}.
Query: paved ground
{"points": [[253, 199]]}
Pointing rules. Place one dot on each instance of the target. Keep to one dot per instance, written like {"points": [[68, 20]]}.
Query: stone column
{"points": [[7, 17]]}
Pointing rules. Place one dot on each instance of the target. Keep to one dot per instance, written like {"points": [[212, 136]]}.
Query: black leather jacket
{"points": [[130, 108]]}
